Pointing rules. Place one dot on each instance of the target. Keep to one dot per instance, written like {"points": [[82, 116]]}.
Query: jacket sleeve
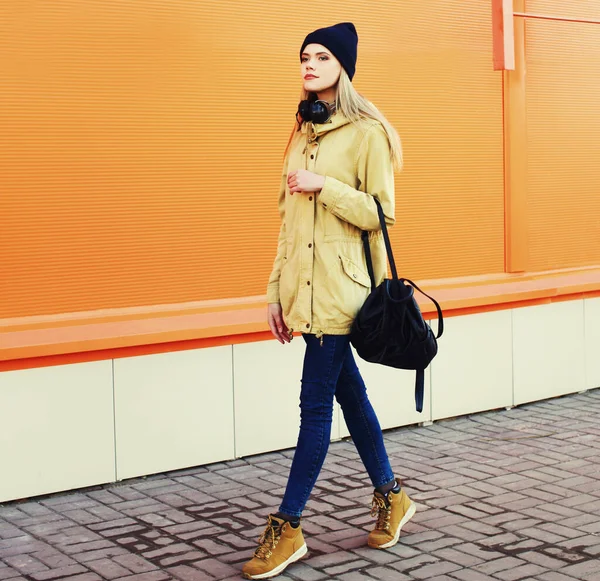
{"points": [[376, 179], [273, 285]]}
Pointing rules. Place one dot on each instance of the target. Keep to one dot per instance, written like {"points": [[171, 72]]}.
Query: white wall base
{"points": [[592, 342], [267, 395], [173, 410], [473, 369], [187, 408], [548, 351], [56, 429]]}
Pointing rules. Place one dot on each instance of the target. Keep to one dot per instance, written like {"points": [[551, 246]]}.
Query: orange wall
{"points": [[563, 131], [141, 144]]}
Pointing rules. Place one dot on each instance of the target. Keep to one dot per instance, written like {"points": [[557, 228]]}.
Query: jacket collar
{"points": [[317, 129]]}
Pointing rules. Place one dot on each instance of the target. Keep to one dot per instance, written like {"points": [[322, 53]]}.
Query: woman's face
{"points": [[319, 68]]}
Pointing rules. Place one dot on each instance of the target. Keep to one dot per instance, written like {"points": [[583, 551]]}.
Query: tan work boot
{"points": [[393, 511], [279, 546]]}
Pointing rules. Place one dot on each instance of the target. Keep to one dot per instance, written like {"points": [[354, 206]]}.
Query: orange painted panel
{"points": [[503, 35], [69, 340], [563, 93], [141, 143]]}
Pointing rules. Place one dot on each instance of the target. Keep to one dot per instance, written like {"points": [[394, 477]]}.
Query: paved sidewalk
{"points": [[505, 495]]}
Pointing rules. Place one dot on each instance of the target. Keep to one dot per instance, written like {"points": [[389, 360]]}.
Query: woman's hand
{"points": [[305, 181], [277, 324]]}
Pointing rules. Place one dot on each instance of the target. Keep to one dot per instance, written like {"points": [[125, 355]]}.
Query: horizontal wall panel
{"points": [[187, 408], [142, 143], [592, 342], [548, 351], [473, 370], [56, 429], [173, 410]]}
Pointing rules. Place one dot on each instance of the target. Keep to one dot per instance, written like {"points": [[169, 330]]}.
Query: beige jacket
{"points": [[320, 275]]}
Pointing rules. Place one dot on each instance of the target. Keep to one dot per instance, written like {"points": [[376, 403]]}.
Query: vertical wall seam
{"points": [[431, 365], [587, 381], [512, 355], [235, 448], [114, 398]]}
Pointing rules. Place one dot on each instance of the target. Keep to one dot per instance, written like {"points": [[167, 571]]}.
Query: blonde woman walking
{"points": [[341, 156]]}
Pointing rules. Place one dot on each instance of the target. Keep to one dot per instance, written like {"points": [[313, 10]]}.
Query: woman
{"points": [[341, 154]]}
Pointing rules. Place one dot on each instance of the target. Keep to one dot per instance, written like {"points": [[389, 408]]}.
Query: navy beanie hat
{"points": [[341, 39]]}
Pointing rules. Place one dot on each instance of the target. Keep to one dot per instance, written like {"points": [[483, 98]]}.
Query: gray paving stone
{"points": [[134, 563], [187, 573], [389, 574], [150, 576], [381, 557], [472, 575], [214, 567], [304, 572], [554, 576], [8, 573], [21, 545], [492, 567], [182, 559], [414, 563], [331, 559], [354, 576], [542, 535], [493, 503], [108, 569], [455, 555], [353, 565], [73, 549], [542, 559], [59, 573], [461, 532], [93, 555], [25, 564]]}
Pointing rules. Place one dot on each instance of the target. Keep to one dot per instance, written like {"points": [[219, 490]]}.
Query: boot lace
{"points": [[268, 541], [383, 511]]}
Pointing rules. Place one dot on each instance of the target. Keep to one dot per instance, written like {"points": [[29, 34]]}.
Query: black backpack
{"points": [[389, 328]]}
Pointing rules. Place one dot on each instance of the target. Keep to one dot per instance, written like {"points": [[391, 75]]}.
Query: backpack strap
{"points": [[386, 237], [437, 306], [388, 247], [365, 240], [390, 255], [420, 389]]}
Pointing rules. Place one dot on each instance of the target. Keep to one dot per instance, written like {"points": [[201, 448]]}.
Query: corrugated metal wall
{"points": [[563, 124], [141, 143]]}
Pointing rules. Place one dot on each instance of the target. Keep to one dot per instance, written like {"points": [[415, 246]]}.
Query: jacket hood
{"points": [[337, 120]]}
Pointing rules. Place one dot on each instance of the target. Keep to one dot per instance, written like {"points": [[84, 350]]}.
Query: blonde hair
{"points": [[356, 108]]}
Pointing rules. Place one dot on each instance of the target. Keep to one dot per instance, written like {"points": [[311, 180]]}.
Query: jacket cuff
{"points": [[273, 293], [330, 193]]}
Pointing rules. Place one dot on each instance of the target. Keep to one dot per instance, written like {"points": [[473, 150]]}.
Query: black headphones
{"points": [[315, 111]]}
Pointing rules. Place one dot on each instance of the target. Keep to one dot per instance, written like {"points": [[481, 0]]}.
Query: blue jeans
{"points": [[330, 371]]}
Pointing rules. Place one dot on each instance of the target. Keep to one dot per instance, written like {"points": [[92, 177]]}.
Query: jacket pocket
{"points": [[356, 273]]}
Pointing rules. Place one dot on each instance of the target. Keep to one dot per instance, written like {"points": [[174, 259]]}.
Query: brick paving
{"points": [[502, 496]]}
